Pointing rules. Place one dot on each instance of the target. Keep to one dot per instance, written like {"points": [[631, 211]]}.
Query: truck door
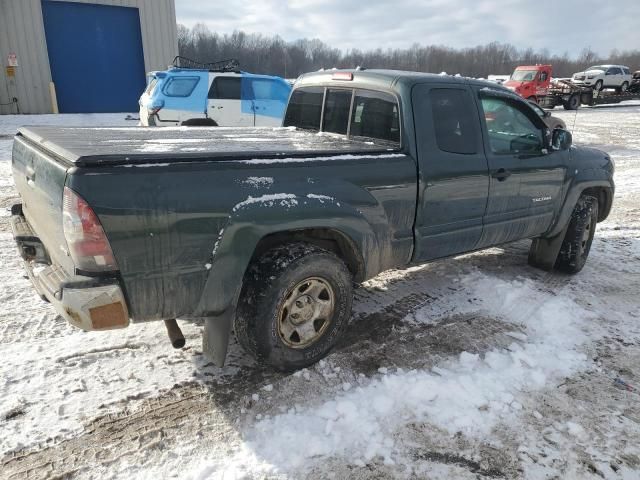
{"points": [[453, 171], [224, 102], [526, 179], [544, 79]]}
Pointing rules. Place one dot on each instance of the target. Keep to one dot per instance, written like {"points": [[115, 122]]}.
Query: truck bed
{"points": [[91, 146]]}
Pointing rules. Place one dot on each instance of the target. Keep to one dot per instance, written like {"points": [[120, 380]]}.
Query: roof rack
{"points": [[229, 65]]}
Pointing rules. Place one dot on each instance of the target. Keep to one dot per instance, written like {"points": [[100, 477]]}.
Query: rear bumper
{"points": [[88, 303]]}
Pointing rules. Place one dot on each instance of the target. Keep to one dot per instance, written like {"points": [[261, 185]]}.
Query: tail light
{"points": [[88, 245]]}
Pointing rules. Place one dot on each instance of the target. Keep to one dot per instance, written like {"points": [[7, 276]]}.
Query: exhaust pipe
{"points": [[175, 334]]}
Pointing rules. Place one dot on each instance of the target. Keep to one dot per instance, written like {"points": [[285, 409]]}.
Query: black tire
{"points": [[573, 102], [199, 122], [624, 87], [598, 85], [268, 287], [577, 241]]}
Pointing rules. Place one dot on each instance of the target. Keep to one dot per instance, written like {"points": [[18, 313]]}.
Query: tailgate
{"points": [[40, 180]]}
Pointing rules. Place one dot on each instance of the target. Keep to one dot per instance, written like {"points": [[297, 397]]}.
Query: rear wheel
{"points": [[573, 102], [295, 305], [199, 122], [577, 241], [624, 87]]}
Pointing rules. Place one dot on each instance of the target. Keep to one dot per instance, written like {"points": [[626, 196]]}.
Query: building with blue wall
{"points": [[81, 56]]}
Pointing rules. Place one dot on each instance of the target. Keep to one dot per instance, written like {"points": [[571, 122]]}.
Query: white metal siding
{"points": [[22, 32]]}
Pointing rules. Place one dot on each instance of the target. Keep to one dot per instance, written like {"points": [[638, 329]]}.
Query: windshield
{"points": [[524, 75], [597, 67]]}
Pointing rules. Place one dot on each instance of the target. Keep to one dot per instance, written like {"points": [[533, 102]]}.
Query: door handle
{"points": [[501, 174]]}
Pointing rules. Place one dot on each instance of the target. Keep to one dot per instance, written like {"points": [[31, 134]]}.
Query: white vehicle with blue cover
{"points": [[212, 94]]}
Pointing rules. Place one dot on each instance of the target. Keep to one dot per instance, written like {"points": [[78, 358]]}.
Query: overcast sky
{"points": [[559, 25]]}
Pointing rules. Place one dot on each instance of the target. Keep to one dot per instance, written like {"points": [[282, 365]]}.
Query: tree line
{"points": [[272, 55]]}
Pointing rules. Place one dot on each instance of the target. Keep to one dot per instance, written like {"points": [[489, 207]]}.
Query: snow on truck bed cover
{"points": [[89, 146]]}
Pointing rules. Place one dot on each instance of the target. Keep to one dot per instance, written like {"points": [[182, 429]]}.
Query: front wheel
{"points": [[577, 241], [294, 306], [598, 85]]}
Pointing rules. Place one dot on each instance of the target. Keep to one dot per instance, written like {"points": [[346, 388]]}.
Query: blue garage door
{"points": [[95, 52]]}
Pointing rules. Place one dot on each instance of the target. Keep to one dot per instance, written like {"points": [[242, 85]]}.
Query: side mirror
{"points": [[561, 139]]}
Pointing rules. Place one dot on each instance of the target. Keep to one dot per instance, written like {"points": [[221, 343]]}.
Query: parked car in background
{"points": [[549, 120], [213, 95], [604, 76]]}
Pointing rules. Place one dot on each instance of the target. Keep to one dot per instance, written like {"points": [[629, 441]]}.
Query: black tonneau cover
{"points": [[93, 146]]}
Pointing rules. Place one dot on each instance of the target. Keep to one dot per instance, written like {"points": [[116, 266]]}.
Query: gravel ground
{"points": [[477, 366]]}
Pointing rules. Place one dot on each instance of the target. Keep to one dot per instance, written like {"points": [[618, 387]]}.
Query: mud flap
{"points": [[544, 251], [215, 338]]}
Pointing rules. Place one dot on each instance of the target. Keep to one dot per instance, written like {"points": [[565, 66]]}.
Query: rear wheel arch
{"points": [[329, 239]]}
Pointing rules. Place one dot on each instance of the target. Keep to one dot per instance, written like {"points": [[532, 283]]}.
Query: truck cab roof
{"points": [[389, 80]]}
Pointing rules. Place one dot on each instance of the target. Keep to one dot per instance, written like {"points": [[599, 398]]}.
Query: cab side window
{"points": [[375, 115], [509, 128], [454, 120]]}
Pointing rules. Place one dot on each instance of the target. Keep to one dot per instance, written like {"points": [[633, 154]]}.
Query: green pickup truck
{"points": [[263, 231]]}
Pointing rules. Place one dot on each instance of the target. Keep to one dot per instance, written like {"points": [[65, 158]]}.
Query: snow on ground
{"points": [[473, 367]]}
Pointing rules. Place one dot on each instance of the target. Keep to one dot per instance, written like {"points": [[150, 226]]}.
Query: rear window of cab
{"points": [[180, 86], [351, 112]]}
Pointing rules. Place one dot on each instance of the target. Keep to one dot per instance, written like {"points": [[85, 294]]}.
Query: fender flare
{"points": [[247, 225], [573, 194]]}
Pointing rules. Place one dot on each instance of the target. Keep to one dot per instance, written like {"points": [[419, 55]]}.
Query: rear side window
{"points": [[265, 89], [225, 88], [304, 109], [375, 115], [180, 86], [336, 111], [626, 71], [454, 120]]}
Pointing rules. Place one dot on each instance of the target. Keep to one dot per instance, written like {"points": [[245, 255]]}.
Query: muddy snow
{"points": [[477, 366]]}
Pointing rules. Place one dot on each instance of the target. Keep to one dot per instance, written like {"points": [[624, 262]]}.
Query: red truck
{"points": [[530, 81], [534, 83]]}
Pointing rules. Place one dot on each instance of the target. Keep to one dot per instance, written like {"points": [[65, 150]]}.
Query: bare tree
{"points": [[272, 55]]}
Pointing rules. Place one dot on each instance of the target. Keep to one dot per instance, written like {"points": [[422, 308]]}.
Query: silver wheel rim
{"points": [[306, 312]]}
